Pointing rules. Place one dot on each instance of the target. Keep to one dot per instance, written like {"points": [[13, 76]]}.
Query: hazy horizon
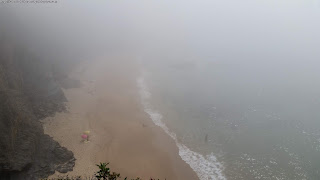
{"points": [[230, 80]]}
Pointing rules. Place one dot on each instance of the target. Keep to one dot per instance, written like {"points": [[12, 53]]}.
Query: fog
{"points": [[226, 70], [285, 31]]}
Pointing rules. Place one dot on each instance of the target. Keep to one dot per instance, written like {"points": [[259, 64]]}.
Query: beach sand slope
{"points": [[121, 133]]}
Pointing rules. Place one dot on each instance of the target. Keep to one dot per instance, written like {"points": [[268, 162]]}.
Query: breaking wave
{"points": [[206, 167]]}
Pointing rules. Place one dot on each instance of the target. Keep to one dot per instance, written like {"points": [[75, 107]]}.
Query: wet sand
{"points": [[108, 105]]}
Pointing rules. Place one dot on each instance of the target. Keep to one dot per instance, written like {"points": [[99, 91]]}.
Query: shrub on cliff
{"points": [[104, 173]]}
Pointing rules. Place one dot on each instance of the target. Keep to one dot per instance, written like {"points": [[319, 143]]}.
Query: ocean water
{"points": [[238, 119]]}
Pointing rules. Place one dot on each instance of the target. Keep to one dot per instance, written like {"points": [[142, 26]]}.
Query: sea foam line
{"points": [[206, 167]]}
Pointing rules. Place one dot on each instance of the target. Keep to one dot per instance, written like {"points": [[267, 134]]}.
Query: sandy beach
{"points": [[121, 133]]}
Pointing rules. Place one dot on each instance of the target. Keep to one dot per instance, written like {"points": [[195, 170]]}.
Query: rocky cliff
{"points": [[28, 92]]}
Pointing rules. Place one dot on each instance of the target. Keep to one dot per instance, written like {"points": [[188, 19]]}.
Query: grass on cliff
{"points": [[104, 173]]}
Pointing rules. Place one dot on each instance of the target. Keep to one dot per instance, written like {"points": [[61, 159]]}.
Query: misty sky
{"points": [[252, 29]]}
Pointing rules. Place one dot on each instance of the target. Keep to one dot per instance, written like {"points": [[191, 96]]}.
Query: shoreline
{"points": [[122, 134], [205, 166]]}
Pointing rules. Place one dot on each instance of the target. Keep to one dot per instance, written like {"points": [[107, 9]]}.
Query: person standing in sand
{"points": [[85, 136]]}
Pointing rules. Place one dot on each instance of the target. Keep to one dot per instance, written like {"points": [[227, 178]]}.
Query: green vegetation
{"points": [[104, 173]]}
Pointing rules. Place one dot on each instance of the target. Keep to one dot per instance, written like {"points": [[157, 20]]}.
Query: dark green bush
{"points": [[104, 173]]}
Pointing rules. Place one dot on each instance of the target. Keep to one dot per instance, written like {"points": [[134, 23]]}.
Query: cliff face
{"points": [[28, 92]]}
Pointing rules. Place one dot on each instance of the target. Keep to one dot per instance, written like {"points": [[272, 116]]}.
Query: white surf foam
{"points": [[206, 167]]}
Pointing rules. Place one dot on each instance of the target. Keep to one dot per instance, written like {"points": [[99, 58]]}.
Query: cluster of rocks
{"points": [[28, 93]]}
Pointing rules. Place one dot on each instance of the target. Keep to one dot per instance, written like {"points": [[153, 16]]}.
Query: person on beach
{"points": [[85, 136]]}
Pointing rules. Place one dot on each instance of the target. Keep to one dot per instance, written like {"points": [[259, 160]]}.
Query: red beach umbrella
{"points": [[84, 136]]}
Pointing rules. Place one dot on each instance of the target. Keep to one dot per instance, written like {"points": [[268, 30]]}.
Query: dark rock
{"points": [[52, 157], [28, 92]]}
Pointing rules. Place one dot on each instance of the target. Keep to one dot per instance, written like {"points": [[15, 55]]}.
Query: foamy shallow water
{"points": [[230, 126], [206, 167]]}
